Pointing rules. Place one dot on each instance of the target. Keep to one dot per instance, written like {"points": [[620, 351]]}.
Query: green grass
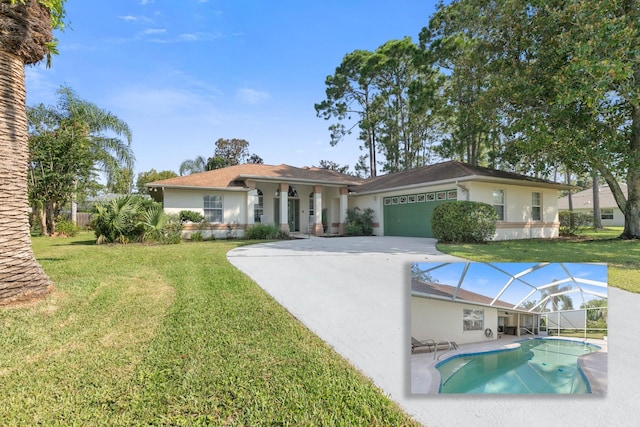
{"points": [[622, 256], [169, 335]]}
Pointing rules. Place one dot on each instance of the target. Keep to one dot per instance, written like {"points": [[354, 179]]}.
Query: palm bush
{"points": [[153, 223], [116, 220], [134, 219]]}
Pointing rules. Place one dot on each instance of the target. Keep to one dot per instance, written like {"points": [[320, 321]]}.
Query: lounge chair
{"points": [[428, 343]]}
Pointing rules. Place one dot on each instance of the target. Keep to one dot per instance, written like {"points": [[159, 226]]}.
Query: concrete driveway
{"points": [[353, 292]]}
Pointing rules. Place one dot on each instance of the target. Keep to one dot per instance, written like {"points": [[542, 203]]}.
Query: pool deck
{"points": [[425, 378]]}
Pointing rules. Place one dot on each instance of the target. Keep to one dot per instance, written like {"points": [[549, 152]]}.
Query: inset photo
{"points": [[508, 328]]}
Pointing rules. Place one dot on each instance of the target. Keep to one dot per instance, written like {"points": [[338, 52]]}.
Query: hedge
{"points": [[464, 222]]}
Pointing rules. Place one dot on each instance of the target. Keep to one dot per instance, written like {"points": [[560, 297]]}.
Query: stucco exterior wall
{"points": [[518, 223], [234, 210], [442, 321], [617, 221]]}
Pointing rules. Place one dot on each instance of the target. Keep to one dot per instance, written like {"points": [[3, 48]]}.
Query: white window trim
{"points": [[221, 208], [258, 207], [539, 205], [504, 203], [607, 211]]}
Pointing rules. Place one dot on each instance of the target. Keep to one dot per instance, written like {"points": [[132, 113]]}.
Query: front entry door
{"points": [[294, 214]]}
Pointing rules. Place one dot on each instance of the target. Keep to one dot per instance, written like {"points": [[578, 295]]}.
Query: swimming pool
{"points": [[536, 366]]}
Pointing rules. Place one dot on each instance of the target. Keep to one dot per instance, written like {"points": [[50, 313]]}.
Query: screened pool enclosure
{"points": [[558, 299]]}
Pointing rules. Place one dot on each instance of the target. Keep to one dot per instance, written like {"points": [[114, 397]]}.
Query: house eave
{"points": [[326, 183], [426, 295], [355, 192], [474, 178], [197, 187]]}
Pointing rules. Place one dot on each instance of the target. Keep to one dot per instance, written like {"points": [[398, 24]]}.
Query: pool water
{"points": [[537, 366]]}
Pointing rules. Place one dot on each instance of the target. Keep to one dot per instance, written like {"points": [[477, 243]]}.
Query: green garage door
{"points": [[410, 215]]}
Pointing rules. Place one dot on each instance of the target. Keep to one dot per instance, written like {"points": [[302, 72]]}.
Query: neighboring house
{"points": [[610, 213], [240, 196]]}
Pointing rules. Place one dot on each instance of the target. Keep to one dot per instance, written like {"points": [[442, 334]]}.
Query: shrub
{"points": [[464, 222], [66, 227], [172, 230], [359, 222], [191, 216], [266, 232], [573, 223], [196, 236], [353, 230]]}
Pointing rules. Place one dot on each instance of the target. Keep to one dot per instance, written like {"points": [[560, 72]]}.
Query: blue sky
{"points": [[183, 74]]}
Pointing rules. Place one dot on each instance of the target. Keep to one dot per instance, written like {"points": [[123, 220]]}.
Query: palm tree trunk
{"points": [[21, 276]]}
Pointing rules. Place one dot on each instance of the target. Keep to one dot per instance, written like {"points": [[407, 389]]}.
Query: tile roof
{"points": [[450, 170], [234, 176], [584, 199]]}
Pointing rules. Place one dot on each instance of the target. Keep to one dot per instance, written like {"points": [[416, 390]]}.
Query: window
{"points": [[536, 206], [472, 319], [606, 213], [213, 208], [498, 203], [312, 205], [258, 208]]}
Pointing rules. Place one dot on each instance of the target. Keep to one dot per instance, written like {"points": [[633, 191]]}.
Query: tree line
{"points": [[535, 87]]}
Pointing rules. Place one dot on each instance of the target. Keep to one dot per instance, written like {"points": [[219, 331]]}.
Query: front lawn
{"points": [[622, 256], [169, 335]]}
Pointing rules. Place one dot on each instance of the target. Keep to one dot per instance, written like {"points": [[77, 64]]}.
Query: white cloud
{"points": [[145, 2], [251, 96], [128, 18], [188, 37], [153, 31]]}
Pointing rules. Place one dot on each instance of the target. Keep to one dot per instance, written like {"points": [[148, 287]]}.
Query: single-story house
{"points": [[450, 307], [610, 213], [314, 200]]}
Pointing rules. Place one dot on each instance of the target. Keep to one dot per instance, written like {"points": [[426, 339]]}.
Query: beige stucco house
{"points": [[610, 213], [314, 200]]}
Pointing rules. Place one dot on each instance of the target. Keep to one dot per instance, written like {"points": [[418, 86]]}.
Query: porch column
{"points": [[284, 207], [343, 209], [252, 195], [317, 201]]}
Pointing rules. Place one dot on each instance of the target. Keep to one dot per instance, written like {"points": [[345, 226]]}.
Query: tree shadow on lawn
{"points": [[91, 242]]}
